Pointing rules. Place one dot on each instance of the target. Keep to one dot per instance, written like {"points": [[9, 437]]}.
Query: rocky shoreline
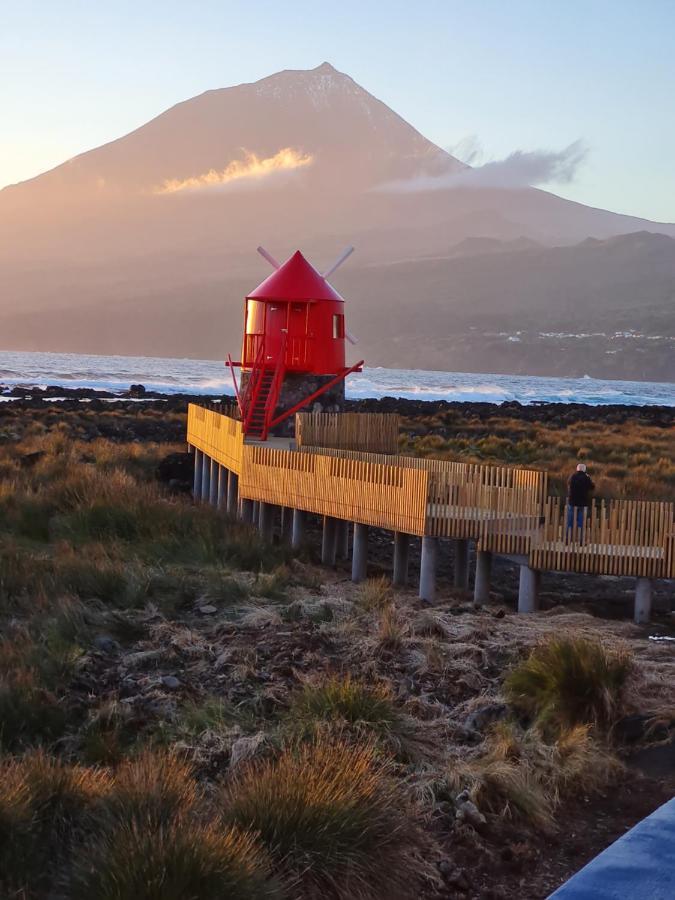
{"points": [[539, 412]]}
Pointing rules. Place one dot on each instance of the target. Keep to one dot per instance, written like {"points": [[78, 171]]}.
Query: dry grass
{"points": [[375, 593], [519, 775], [627, 460], [342, 704], [155, 786], [570, 681], [334, 820], [182, 859], [80, 558], [42, 800], [391, 629]]}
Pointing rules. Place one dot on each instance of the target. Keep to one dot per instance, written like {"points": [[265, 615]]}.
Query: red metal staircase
{"points": [[258, 402], [262, 393]]}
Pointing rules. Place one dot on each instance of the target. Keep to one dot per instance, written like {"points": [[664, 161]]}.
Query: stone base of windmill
{"points": [[294, 389]]}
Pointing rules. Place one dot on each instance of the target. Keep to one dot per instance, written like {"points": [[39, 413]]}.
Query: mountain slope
{"points": [[162, 223]]}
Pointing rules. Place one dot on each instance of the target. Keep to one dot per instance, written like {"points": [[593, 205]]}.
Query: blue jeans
{"points": [[571, 510]]}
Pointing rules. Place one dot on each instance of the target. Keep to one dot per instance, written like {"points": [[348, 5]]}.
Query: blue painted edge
{"points": [[640, 865]]}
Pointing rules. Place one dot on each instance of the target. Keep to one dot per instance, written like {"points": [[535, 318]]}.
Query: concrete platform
{"points": [[639, 866]]}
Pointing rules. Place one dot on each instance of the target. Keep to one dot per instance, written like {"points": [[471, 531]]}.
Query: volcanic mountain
{"points": [[146, 245]]}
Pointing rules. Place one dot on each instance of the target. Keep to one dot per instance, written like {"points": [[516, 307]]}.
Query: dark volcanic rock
{"points": [[177, 470]]}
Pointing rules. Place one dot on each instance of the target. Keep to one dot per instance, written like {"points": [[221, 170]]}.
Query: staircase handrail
{"points": [[252, 387], [275, 386]]}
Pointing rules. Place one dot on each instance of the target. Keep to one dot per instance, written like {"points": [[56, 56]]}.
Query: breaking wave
{"points": [[210, 377]]}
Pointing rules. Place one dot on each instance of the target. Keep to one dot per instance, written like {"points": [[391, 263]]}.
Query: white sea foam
{"points": [[171, 376]]}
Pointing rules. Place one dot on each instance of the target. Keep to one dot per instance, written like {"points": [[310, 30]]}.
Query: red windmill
{"points": [[294, 345]]}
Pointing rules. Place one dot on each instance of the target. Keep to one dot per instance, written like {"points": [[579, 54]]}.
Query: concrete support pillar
{"points": [[298, 528], [401, 555], [232, 494], [461, 580], [481, 587], [643, 601], [428, 569], [286, 523], [247, 511], [222, 486], [528, 590], [206, 478], [328, 541], [360, 552], [267, 521], [213, 482], [197, 483], [342, 539]]}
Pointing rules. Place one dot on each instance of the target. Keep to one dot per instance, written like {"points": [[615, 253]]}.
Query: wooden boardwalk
{"points": [[505, 510]]}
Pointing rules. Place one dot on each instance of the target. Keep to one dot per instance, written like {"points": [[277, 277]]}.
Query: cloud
{"points": [[240, 172], [522, 168]]}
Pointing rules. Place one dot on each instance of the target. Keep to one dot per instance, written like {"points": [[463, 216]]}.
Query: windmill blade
{"points": [[350, 337], [338, 262], [268, 256]]}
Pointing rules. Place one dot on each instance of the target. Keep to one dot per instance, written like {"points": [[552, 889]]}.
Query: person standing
{"points": [[579, 489]]}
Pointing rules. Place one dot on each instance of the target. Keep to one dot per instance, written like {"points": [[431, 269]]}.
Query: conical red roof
{"points": [[296, 279]]}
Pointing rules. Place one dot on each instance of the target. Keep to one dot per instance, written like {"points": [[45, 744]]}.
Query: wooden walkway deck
{"points": [[505, 510]]}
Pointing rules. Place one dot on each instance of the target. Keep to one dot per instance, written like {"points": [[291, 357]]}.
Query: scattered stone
{"points": [[170, 682], [142, 657], [468, 812], [245, 748], [207, 609], [458, 879], [106, 644], [484, 716]]}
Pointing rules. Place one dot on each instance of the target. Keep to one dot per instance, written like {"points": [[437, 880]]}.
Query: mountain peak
{"points": [[326, 69]]}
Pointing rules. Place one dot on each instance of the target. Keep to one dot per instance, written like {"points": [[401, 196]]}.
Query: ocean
{"points": [[203, 376]]}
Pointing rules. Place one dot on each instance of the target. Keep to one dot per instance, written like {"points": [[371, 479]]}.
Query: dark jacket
{"points": [[579, 489]]}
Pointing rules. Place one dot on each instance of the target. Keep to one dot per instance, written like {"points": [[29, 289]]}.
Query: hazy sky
{"points": [[515, 74]]}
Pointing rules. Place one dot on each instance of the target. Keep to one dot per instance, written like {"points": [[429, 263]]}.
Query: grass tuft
{"points": [[156, 786], [340, 702], [333, 820], [520, 775], [375, 593], [570, 681], [178, 860]]}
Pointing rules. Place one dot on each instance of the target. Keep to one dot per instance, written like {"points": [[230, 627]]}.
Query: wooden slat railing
{"points": [[370, 432], [388, 497], [616, 537], [506, 510], [221, 437]]}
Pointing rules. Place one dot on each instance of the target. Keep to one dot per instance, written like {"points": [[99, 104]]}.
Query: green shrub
{"points": [[213, 714], [343, 701], [332, 818], [273, 585], [570, 681]]}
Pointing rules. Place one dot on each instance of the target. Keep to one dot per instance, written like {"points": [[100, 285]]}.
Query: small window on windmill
{"points": [[338, 326]]}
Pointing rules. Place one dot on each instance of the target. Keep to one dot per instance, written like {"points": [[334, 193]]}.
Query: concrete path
{"points": [[639, 866]]}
